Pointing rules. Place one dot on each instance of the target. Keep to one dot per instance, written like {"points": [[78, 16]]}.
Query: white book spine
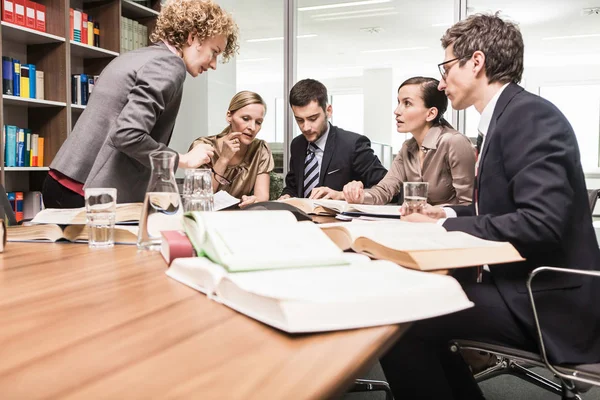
{"points": [[39, 85]]}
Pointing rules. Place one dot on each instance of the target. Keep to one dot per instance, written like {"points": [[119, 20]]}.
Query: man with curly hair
{"points": [[135, 102]]}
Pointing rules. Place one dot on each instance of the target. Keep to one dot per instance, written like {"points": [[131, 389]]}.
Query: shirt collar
{"points": [[172, 48], [320, 142], [488, 112], [431, 137]]}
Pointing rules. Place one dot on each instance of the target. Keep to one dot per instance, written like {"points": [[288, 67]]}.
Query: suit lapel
{"points": [[327, 153]]}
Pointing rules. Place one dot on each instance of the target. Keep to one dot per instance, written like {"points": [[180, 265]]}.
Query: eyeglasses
{"points": [[442, 68], [220, 178]]}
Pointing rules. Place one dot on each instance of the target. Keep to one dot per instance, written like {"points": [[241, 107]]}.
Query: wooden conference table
{"points": [[108, 323]]}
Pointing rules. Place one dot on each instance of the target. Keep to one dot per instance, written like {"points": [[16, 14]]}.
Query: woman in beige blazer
{"points": [[436, 153], [135, 102], [241, 163]]}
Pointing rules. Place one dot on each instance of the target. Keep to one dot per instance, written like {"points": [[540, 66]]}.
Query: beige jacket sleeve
{"points": [[461, 158], [389, 186]]}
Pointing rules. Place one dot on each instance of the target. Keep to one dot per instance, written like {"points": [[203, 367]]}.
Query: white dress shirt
{"points": [[320, 143]]}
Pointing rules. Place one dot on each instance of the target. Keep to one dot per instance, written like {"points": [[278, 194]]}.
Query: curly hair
{"points": [[202, 18], [499, 40]]}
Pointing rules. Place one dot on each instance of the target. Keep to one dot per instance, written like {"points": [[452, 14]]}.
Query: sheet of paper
{"points": [[224, 200]]}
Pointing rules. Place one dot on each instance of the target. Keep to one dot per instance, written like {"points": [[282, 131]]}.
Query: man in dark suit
{"points": [[530, 191], [325, 157]]}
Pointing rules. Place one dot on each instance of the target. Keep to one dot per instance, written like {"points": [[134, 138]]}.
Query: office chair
{"points": [[368, 385], [574, 379]]}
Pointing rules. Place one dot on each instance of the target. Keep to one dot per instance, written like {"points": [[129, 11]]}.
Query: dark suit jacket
{"points": [[532, 193], [347, 156], [131, 113]]}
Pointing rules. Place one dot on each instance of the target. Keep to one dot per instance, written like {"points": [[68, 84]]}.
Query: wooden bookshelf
{"points": [[24, 35], [59, 57]]}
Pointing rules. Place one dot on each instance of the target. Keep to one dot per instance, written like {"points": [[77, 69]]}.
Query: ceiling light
{"points": [[340, 5], [572, 36], [273, 39], [400, 49], [381, 14], [352, 12]]}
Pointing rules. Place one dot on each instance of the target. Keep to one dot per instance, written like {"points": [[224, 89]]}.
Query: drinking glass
{"points": [[197, 190], [415, 196], [101, 211]]}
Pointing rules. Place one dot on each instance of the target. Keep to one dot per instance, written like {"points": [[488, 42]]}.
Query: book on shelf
{"points": [[252, 240], [72, 233], [8, 7], [422, 246], [25, 80], [39, 85], [175, 244], [126, 212], [360, 294], [7, 75], [333, 207], [16, 77], [29, 14]]}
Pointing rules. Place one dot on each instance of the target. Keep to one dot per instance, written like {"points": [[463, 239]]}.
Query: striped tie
{"points": [[311, 169]]}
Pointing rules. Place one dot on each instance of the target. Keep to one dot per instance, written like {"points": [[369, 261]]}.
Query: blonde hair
{"points": [[241, 100], [202, 18]]}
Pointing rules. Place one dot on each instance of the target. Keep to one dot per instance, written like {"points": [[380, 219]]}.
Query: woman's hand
{"points": [[231, 145], [247, 200], [197, 156], [354, 192]]}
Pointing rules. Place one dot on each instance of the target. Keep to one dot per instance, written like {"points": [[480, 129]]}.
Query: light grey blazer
{"points": [[130, 114]]}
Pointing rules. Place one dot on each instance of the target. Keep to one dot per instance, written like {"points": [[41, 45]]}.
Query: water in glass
{"points": [[162, 208]]}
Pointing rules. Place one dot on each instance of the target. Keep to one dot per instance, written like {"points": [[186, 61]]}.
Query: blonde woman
{"points": [[135, 103], [241, 163]]}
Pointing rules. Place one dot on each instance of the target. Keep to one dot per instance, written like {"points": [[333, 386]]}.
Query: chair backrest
{"points": [[593, 197]]}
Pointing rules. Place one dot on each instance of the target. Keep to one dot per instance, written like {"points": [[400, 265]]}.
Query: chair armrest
{"points": [[537, 321]]}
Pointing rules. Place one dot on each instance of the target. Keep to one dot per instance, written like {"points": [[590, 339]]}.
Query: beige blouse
{"points": [[258, 160], [448, 166]]}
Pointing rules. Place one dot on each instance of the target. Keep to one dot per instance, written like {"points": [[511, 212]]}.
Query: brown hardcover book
{"points": [[426, 247], [334, 207], [175, 244], [72, 233], [126, 212]]}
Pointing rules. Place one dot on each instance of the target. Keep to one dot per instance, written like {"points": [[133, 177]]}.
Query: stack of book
{"points": [[133, 35], [23, 80], [22, 148], [25, 205], [26, 13], [296, 277], [84, 29], [82, 86]]}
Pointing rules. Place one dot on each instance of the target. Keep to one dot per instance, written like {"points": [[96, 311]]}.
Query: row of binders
{"points": [[22, 148], [83, 28], [25, 13], [82, 86], [22, 80], [25, 205], [133, 35]]}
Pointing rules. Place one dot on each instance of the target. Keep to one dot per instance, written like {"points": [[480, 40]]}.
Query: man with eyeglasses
{"points": [[530, 191]]}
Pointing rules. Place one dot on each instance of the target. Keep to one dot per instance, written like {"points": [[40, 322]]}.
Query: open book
{"points": [[73, 233], [126, 212], [426, 247], [252, 240], [361, 294], [333, 207], [224, 200]]}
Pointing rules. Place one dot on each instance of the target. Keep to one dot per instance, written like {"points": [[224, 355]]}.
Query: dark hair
{"points": [[500, 41], [308, 90], [432, 97]]}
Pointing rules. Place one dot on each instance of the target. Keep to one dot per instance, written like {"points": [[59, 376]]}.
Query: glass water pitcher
{"points": [[162, 210]]}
